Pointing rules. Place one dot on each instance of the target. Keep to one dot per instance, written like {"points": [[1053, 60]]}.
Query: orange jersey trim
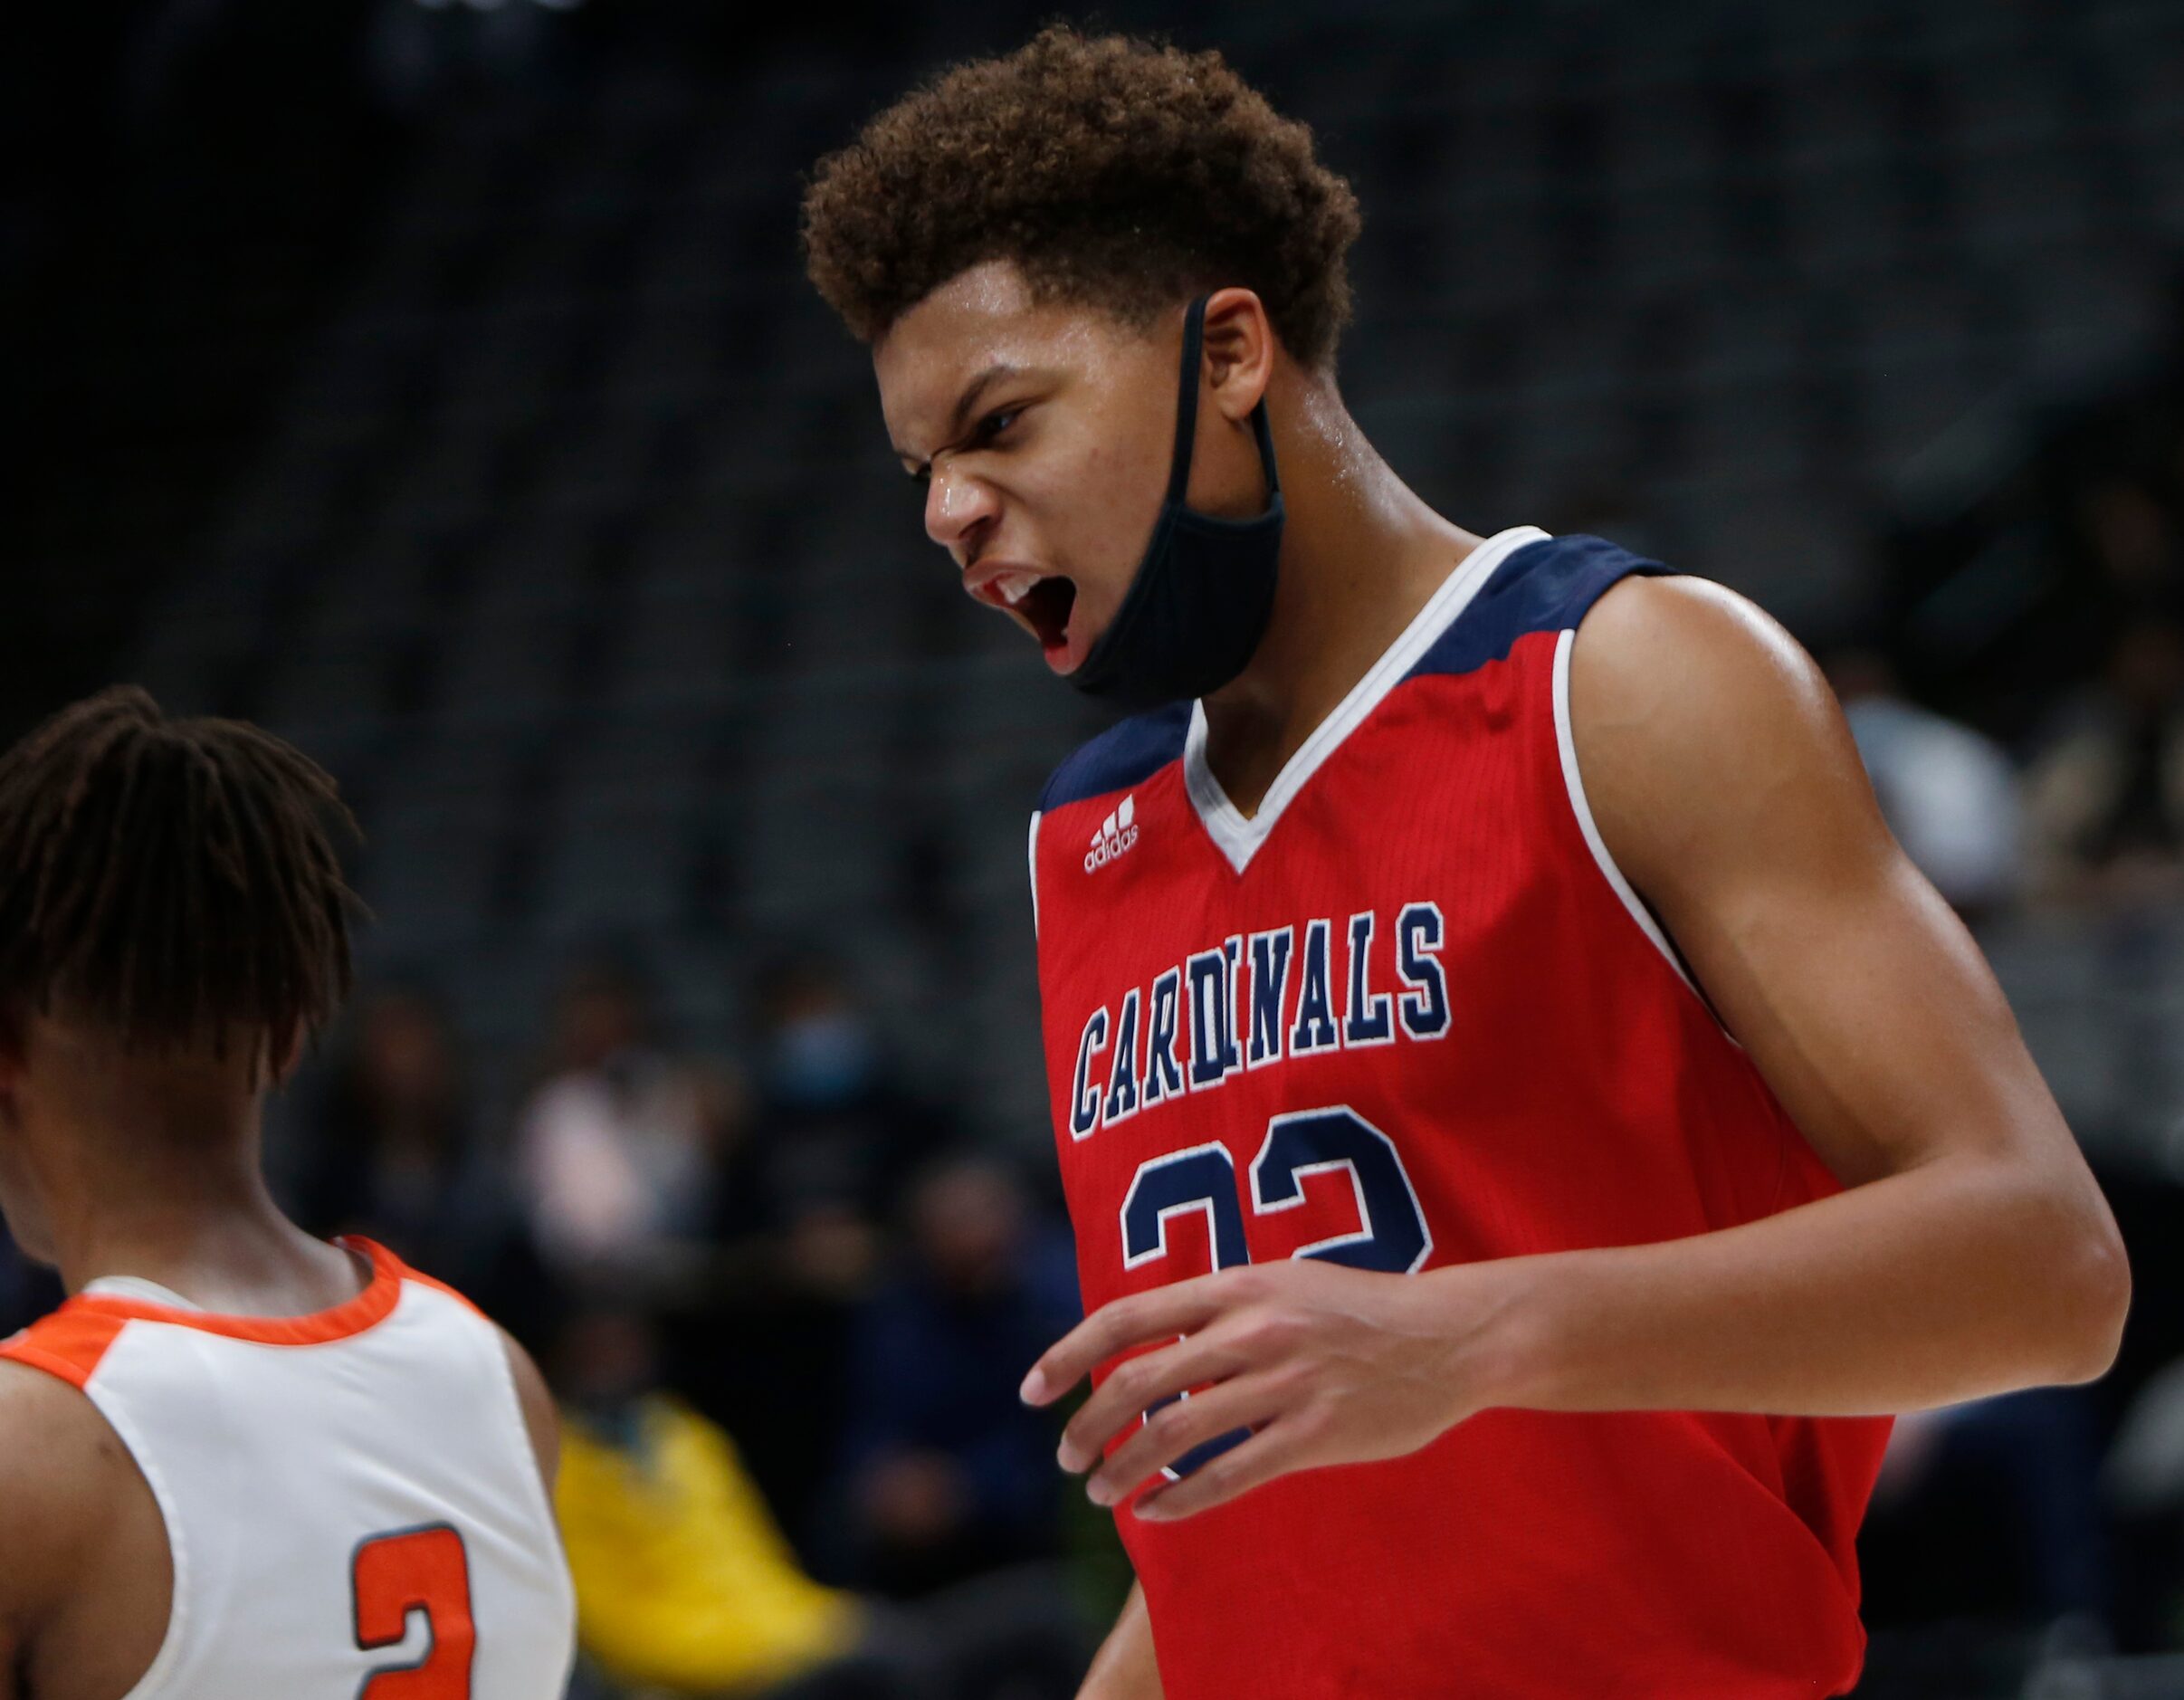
{"points": [[318, 1328], [69, 1344]]}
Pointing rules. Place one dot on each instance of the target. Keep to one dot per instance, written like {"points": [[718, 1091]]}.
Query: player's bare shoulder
{"points": [[1690, 657], [75, 1506], [61, 1463], [1699, 723]]}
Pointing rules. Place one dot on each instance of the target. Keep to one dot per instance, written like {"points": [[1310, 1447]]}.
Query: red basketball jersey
{"points": [[1408, 1015]]}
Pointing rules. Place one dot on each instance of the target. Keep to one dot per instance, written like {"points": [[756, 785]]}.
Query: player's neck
{"points": [[146, 1176], [1362, 554], [198, 1220]]}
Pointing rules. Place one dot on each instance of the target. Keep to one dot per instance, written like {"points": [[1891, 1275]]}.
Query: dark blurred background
{"points": [[435, 382]]}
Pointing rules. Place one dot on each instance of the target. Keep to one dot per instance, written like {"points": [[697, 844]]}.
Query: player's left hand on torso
{"points": [[1322, 1363]]}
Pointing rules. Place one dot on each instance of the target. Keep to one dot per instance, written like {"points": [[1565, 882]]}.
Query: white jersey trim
{"points": [[1036, 817], [1567, 744], [1237, 835]]}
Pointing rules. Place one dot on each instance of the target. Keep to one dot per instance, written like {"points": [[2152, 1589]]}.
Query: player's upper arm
{"points": [[1726, 786], [59, 1467], [541, 1419]]}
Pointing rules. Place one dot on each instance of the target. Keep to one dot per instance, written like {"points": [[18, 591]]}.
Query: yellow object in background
{"points": [[683, 1580]]}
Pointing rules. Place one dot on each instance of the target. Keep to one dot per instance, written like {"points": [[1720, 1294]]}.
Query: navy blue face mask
{"points": [[1205, 590]]}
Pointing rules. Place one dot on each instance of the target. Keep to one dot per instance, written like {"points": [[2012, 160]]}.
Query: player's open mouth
{"points": [[1042, 604], [1046, 606]]}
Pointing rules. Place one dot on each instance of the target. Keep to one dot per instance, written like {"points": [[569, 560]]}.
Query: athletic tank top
{"points": [[352, 1503], [1406, 1015]]}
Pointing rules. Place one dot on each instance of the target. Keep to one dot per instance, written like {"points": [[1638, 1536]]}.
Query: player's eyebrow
{"points": [[965, 403]]}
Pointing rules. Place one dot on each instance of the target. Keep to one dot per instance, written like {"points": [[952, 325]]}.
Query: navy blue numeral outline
{"points": [[1392, 1235]]}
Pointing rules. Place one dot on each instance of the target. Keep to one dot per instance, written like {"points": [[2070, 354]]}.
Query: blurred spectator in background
{"points": [[684, 1583], [836, 1134], [2106, 793], [949, 1473], [616, 1152], [1948, 793], [389, 1148], [392, 1153], [805, 1203]]}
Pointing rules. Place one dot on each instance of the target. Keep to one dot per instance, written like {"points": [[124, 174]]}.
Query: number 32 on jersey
{"points": [[1391, 1233]]}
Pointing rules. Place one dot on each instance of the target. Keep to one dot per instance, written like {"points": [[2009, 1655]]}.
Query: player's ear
{"points": [[1239, 352]]}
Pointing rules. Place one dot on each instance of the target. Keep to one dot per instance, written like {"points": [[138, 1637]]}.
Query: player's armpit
{"points": [[1725, 784], [542, 1417]]}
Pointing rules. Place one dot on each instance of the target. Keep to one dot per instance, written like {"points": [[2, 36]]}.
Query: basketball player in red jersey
{"points": [[1496, 1046], [238, 1461]]}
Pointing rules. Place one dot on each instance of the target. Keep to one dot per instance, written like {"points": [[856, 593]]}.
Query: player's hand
{"points": [[1324, 1364]]}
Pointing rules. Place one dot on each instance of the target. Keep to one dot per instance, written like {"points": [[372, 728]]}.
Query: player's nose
{"points": [[957, 507]]}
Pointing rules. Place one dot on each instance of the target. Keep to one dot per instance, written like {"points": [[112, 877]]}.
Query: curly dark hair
{"points": [[1116, 172]]}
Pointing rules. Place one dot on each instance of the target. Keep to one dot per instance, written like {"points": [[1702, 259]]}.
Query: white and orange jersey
{"points": [[346, 1495]]}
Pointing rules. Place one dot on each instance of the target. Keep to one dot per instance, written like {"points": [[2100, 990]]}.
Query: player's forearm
{"points": [[1124, 1668], [1957, 1279]]}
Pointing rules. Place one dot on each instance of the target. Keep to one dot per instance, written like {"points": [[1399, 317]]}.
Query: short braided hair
{"points": [[174, 880]]}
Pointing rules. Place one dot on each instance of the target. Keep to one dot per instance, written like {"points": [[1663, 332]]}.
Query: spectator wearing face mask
{"points": [[837, 1133], [807, 1196]]}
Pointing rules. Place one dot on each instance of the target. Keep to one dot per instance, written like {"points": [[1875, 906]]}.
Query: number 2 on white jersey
{"points": [[415, 1570]]}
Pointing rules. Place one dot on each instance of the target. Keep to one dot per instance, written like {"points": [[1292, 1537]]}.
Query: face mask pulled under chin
{"points": [[1205, 590]]}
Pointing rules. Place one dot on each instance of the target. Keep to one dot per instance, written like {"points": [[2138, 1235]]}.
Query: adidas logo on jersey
{"points": [[1117, 837]]}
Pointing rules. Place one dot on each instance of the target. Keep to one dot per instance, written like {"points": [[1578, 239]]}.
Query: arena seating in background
{"points": [[577, 553]]}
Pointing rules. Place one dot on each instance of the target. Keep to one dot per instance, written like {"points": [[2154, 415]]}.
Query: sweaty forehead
{"points": [[986, 317]]}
